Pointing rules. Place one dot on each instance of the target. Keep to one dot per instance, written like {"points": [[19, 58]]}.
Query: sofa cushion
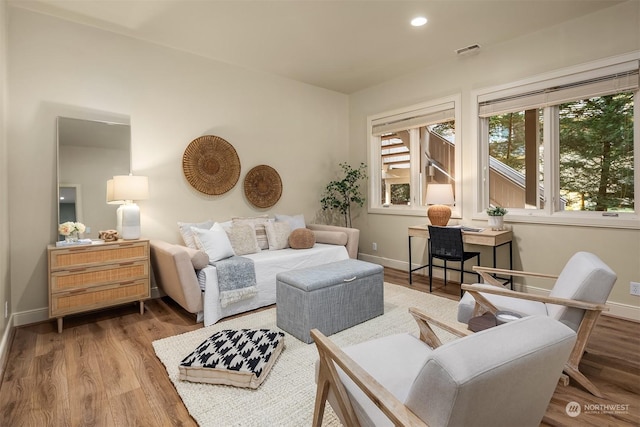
{"points": [[302, 238], [257, 222], [187, 235], [214, 242], [277, 234], [295, 221], [241, 358], [331, 237], [243, 239]]}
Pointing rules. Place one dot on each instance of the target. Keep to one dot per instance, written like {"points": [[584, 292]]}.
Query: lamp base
{"points": [[439, 215], [128, 224]]}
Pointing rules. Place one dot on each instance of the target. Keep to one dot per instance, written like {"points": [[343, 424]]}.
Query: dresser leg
{"points": [[59, 319], [141, 307]]}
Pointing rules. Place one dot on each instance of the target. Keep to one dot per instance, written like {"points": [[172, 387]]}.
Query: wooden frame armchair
{"points": [[405, 381], [577, 300]]}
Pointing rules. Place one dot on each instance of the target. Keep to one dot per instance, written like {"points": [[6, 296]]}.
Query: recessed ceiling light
{"points": [[419, 21]]}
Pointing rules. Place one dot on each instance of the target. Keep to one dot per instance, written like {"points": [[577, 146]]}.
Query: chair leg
{"points": [[579, 377], [445, 273], [461, 277], [430, 273]]}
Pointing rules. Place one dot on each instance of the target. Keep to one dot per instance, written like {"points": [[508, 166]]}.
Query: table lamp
{"points": [[439, 196], [123, 190]]}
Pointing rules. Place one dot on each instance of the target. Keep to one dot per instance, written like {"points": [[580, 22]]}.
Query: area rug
{"points": [[286, 397]]}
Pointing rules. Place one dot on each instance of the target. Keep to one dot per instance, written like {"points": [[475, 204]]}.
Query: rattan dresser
{"points": [[89, 277]]}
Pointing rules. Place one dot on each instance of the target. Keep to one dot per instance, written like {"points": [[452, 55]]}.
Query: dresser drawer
{"points": [[80, 300], [97, 254], [83, 277]]}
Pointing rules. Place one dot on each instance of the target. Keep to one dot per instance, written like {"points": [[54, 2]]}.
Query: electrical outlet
{"points": [[374, 246], [635, 288]]}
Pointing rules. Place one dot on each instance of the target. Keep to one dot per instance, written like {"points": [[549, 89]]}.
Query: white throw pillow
{"points": [[214, 242], [278, 235], [295, 221], [187, 235]]}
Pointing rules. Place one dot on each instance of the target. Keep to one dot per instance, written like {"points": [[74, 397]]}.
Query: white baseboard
{"points": [[30, 316], [5, 344], [616, 309], [42, 314]]}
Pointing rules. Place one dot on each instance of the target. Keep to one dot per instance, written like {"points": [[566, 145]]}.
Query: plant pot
{"points": [[496, 222]]}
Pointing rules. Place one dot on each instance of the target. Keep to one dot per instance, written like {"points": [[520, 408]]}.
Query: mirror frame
{"points": [[101, 120]]}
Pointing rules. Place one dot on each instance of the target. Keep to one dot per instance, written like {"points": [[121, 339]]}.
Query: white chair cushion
{"points": [[394, 361], [585, 277], [467, 382]]}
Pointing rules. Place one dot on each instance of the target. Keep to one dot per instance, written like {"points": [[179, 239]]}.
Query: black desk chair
{"points": [[445, 243]]}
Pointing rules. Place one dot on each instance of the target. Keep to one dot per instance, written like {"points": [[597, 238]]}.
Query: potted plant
{"points": [[496, 217], [340, 194]]}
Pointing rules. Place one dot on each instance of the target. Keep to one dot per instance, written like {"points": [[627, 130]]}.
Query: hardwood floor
{"points": [[102, 370]]}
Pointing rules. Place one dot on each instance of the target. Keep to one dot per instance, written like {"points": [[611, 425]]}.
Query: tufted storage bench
{"points": [[330, 297]]}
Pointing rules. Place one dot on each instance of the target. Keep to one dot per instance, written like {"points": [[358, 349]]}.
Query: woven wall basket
{"points": [[211, 165], [262, 186]]}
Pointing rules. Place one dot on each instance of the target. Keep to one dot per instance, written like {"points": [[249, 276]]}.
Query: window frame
{"points": [[551, 214], [374, 204]]}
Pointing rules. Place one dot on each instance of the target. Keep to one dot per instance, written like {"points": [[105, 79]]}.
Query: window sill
{"points": [[407, 211], [574, 219]]}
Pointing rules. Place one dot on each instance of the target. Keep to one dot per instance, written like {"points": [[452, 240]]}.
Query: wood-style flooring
{"points": [[102, 370]]}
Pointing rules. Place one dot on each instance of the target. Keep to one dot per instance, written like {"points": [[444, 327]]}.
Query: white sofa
{"points": [[177, 270]]}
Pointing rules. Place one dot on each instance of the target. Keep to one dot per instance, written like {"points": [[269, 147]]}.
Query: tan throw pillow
{"points": [[302, 238], [243, 239], [257, 222], [277, 235]]}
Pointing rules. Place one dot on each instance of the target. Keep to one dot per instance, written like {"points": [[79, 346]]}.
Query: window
{"points": [[410, 148], [563, 147]]}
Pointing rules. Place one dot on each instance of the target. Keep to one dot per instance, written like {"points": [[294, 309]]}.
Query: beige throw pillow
{"points": [[277, 235], [243, 239], [257, 222]]}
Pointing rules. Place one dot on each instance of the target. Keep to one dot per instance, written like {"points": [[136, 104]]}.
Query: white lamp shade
{"points": [[127, 187], [110, 199], [439, 194]]}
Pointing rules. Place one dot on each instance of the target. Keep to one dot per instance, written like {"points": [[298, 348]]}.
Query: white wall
{"points": [[610, 32], [61, 68]]}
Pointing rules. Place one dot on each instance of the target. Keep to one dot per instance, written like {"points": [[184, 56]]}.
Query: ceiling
{"points": [[341, 45]]}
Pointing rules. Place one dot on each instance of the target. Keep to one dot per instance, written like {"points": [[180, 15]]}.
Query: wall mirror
{"points": [[89, 153]]}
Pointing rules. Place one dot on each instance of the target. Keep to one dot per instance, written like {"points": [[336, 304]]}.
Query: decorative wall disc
{"points": [[262, 186], [211, 165]]}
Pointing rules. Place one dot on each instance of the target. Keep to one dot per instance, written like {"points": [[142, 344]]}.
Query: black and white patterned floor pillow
{"points": [[240, 358]]}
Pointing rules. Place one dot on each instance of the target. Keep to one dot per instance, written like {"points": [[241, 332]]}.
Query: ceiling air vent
{"points": [[472, 48]]}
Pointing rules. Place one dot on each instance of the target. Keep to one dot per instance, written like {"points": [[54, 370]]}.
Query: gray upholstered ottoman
{"points": [[329, 297]]}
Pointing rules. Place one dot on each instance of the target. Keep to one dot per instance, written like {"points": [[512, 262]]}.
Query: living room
{"points": [[56, 67]]}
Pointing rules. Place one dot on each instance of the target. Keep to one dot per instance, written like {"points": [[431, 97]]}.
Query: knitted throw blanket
{"points": [[236, 279]]}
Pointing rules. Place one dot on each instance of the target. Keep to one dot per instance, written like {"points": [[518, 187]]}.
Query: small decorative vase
{"points": [[72, 237], [496, 222]]}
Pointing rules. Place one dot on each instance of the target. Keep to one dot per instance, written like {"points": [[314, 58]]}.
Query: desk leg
{"points": [[494, 256], [511, 262], [410, 265]]}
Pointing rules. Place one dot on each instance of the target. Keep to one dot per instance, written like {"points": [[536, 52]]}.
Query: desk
{"points": [[486, 237]]}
